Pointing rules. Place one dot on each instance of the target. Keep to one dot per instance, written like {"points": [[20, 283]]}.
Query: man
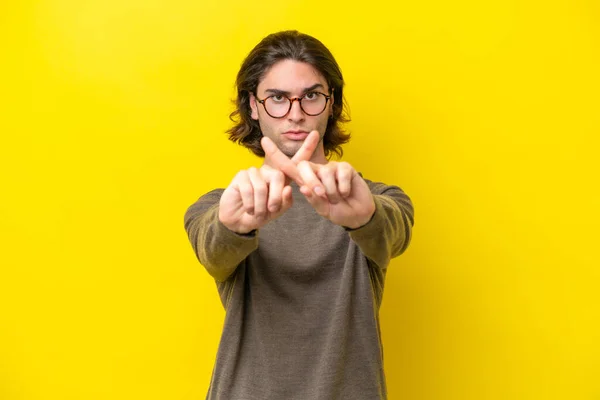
{"points": [[300, 246]]}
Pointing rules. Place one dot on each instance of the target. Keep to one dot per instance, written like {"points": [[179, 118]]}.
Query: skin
{"points": [[257, 196], [292, 77]]}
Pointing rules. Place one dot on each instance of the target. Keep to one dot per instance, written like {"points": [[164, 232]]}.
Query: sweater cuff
{"points": [[371, 228], [233, 237]]}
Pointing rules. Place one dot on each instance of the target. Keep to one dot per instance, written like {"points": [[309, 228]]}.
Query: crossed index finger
{"points": [[280, 161], [307, 149]]}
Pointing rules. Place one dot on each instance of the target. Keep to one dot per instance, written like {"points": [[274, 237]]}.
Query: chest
{"points": [[302, 244]]}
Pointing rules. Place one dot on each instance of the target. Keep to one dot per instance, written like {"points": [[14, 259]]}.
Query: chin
{"points": [[291, 151]]}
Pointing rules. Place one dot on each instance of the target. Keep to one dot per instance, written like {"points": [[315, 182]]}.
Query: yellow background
{"points": [[485, 112]]}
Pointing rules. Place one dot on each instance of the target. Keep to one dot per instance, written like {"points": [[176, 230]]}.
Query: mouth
{"points": [[296, 135]]}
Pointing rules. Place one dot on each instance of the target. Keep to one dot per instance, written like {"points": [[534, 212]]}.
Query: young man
{"points": [[299, 247]]}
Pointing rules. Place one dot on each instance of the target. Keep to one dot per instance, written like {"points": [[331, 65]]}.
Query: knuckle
{"points": [[279, 175], [246, 189], [241, 176], [260, 188], [345, 171], [345, 168], [274, 195], [266, 170], [328, 170]]}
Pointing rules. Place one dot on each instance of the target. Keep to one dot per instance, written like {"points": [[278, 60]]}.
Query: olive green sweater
{"points": [[302, 299]]}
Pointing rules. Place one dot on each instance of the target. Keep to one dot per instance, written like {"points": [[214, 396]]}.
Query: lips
{"points": [[296, 135]]}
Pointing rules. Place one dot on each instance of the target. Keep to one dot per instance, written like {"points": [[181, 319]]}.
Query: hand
{"points": [[335, 190], [257, 196]]}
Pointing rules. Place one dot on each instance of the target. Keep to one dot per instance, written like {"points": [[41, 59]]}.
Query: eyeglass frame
{"points": [[291, 100]]}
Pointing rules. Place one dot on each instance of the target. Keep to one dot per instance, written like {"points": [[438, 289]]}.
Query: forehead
{"points": [[291, 76]]}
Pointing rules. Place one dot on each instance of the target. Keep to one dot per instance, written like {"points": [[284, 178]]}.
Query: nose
{"points": [[296, 113]]}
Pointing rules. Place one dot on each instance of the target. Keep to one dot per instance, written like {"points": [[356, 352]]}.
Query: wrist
{"points": [[237, 229], [359, 225], [240, 231], [363, 221]]}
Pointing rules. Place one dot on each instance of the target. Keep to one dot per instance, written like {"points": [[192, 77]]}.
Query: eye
{"points": [[311, 96], [278, 98]]}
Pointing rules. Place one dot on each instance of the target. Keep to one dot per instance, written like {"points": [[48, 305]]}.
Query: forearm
{"points": [[218, 249]]}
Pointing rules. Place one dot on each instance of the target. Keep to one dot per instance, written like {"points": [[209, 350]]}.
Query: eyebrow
{"points": [[308, 89]]}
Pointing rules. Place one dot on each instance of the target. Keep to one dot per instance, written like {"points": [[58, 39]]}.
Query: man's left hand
{"points": [[335, 190]]}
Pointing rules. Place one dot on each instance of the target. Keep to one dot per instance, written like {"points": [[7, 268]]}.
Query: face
{"points": [[294, 79]]}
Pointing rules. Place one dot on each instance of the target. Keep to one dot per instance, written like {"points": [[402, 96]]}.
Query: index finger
{"points": [[307, 149], [280, 161]]}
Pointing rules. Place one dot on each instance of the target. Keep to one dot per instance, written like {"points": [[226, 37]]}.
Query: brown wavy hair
{"points": [[287, 45]]}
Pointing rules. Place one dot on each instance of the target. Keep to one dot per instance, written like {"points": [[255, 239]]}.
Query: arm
{"points": [[222, 225], [379, 217], [218, 249], [388, 233]]}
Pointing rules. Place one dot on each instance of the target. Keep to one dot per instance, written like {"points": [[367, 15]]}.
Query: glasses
{"points": [[311, 103]]}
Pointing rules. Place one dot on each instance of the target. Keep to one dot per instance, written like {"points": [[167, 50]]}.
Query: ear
{"points": [[331, 101], [253, 107]]}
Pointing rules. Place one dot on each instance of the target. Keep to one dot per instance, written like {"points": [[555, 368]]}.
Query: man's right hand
{"points": [[257, 196]]}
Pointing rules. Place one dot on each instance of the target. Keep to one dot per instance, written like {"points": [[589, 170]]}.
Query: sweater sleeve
{"points": [[388, 233], [219, 249]]}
